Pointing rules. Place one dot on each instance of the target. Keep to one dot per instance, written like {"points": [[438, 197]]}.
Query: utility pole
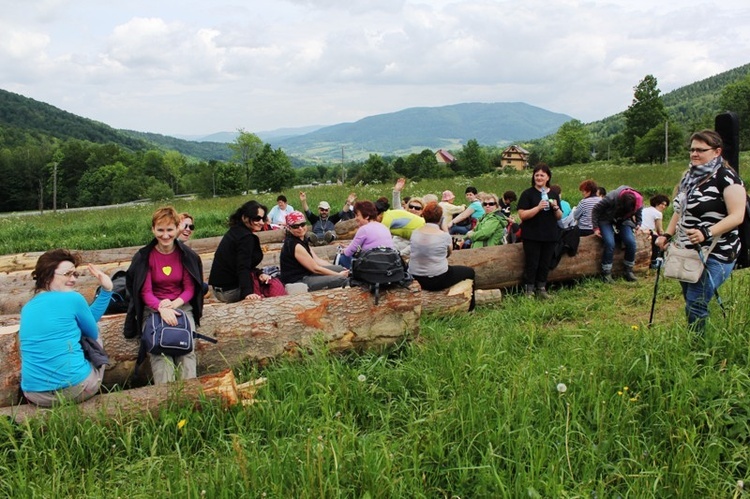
{"points": [[54, 187], [343, 169]]}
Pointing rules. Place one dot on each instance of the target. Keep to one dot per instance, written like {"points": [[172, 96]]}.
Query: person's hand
{"points": [[543, 204], [165, 303], [470, 234], [169, 315], [352, 198], [344, 273], [253, 296], [302, 196], [104, 280], [264, 278], [400, 183], [661, 242], [597, 232], [695, 236]]}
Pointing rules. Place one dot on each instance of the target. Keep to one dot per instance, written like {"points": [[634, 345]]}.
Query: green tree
{"points": [[572, 144], [375, 170], [736, 97], [245, 149], [272, 170], [650, 148], [102, 186], [646, 111], [472, 159], [174, 165]]}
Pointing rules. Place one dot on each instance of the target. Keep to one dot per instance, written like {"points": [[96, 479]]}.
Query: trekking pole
{"points": [[659, 261]]}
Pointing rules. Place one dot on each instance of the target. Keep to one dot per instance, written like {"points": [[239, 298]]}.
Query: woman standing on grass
{"points": [[53, 324], [165, 277], [234, 273], [539, 230], [708, 207]]}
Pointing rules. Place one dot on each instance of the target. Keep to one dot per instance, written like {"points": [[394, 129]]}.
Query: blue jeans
{"points": [[698, 295], [608, 238]]}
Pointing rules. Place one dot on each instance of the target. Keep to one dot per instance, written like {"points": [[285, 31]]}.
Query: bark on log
{"points": [[129, 404], [502, 266], [343, 319]]}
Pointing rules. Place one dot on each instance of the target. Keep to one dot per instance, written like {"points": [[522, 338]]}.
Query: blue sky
{"points": [[199, 67]]}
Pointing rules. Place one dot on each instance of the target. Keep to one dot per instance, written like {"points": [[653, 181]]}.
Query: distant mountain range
{"points": [[411, 130]]}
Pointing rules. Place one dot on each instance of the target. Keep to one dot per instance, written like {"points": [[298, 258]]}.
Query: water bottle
{"points": [[545, 197]]}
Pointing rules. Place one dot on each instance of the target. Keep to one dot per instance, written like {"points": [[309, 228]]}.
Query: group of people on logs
{"points": [[59, 341]]}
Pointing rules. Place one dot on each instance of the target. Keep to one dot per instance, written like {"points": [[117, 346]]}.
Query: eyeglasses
{"points": [[257, 219], [322, 209], [189, 227], [296, 226], [71, 272], [415, 207], [489, 203], [700, 150]]}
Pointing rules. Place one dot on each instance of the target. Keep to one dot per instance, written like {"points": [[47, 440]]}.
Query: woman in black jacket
{"points": [[165, 277], [234, 273]]}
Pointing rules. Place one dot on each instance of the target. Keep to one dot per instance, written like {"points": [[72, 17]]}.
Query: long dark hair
{"points": [[249, 210], [44, 271]]}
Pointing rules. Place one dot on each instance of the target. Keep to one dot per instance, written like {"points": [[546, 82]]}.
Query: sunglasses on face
{"points": [[489, 203], [323, 209], [296, 226], [257, 219], [69, 273], [415, 207], [189, 227]]}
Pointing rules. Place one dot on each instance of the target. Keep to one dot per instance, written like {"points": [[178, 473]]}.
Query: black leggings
{"points": [[455, 274], [538, 257]]}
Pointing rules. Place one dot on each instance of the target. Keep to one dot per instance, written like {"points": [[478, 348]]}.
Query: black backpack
{"points": [[379, 267], [120, 299]]}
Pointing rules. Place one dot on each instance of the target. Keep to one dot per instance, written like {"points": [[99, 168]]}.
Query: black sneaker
{"points": [[630, 276]]}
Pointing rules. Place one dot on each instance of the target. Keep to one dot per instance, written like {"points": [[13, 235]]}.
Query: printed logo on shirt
{"points": [[167, 270]]}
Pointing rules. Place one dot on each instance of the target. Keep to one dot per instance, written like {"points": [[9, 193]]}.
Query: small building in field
{"points": [[515, 156], [443, 157]]}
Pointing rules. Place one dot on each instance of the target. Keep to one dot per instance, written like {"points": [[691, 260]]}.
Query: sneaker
{"points": [[329, 237], [542, 294], [607, 278], [630, 276], [529, 291], [313, 238]]}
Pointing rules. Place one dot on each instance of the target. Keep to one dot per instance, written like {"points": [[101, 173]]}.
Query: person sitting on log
{"points": [[187, 226], [371, 233], [300, 265], [490, 230], [323, 224], [466, 220], [430, 249], [277, 215], [234, 273], [55, 329], [400, 223], [617, 218], [165, 277], [582, 214]]}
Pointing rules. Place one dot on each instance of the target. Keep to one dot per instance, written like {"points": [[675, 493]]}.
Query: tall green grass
{"points": [[473, 407]]}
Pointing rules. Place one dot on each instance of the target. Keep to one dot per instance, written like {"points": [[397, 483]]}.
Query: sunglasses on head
{"points": [[296, 226], [71, 272], [489, 203], [414, 207], [189, 227]]}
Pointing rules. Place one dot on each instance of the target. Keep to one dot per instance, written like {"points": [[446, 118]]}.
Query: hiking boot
{"points": [[529, 291], [329, 237], [541, 293], [629, 275], [607, 277], [313, 238]]}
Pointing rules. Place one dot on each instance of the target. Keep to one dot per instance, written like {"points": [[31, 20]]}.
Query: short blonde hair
{"points": [[165, 214]]}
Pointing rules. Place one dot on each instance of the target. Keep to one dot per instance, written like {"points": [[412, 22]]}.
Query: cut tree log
{"points": [[342, 319], [123, 405], [502, 266], [496, 267]]}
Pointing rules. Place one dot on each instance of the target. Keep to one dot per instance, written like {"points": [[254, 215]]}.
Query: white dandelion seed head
{"points": [[362, 378], [562, 388]]}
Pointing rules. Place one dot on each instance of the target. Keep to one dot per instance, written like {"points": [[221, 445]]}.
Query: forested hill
{"points": [[693, 106], [24, 120], [415, 129]]}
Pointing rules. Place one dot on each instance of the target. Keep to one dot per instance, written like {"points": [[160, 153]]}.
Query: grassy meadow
{"points": [[571, 397]]}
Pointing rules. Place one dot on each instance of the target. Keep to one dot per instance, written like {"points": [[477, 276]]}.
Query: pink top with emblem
{"points": [[166, 279]]}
